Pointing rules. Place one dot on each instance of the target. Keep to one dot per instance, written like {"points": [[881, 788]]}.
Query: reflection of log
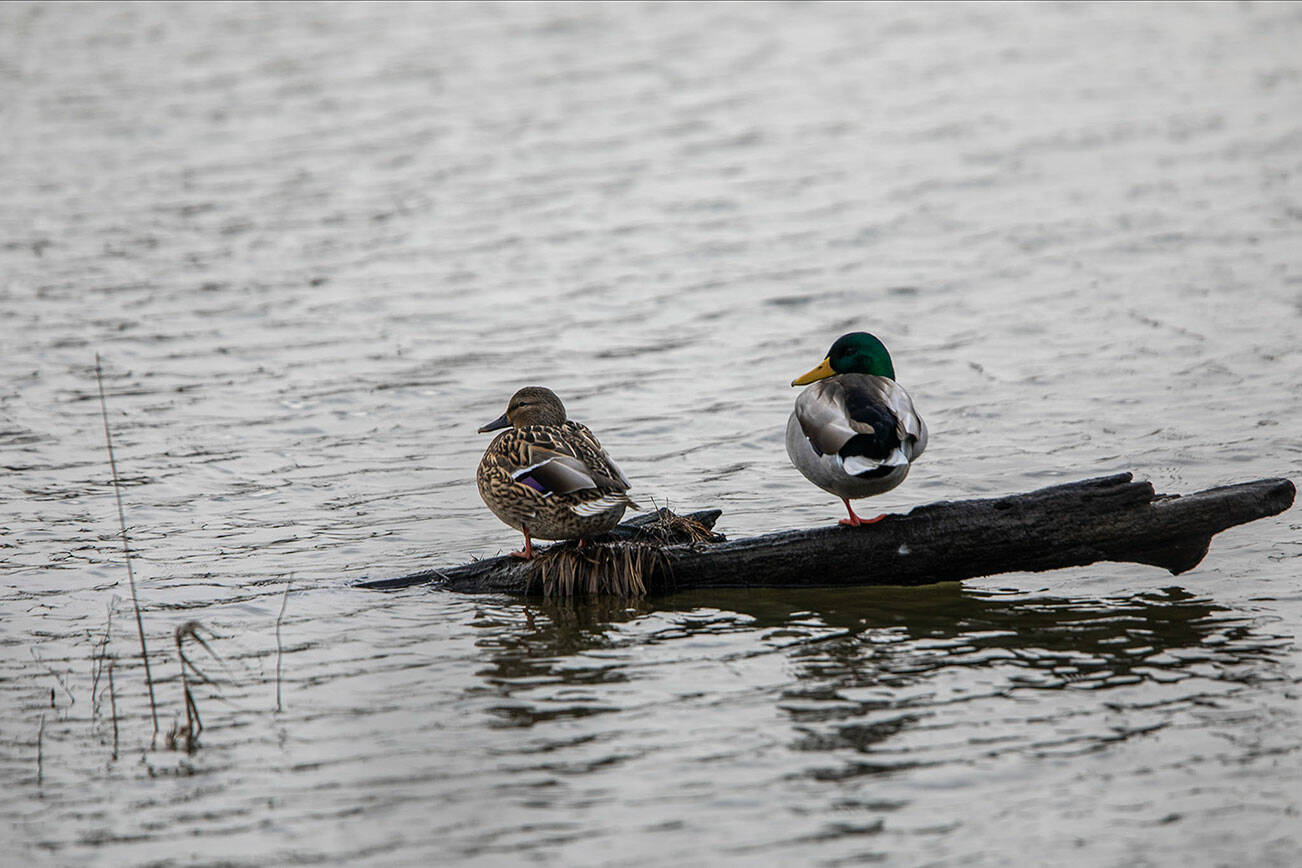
{"points": [[1106, 519]]}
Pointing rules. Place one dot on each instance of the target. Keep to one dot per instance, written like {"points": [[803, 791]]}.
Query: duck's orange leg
{"points": [[527, 554], [854, 520]]}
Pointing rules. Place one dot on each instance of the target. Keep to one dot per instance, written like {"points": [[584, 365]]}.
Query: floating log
{"points": [[1112, 518]]}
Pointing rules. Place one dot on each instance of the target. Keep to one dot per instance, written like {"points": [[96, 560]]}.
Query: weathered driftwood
{"points": [[1108, 519]]}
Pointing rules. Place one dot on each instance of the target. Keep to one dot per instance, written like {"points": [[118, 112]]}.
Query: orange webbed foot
{"points": [[856, 521], [527, 553]]}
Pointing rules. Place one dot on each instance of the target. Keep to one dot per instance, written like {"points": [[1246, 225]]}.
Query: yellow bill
{"points": [[822, 372]]}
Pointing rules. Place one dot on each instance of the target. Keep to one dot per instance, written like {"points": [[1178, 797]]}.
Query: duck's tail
{"points": [[858, 465], [603, 504]]}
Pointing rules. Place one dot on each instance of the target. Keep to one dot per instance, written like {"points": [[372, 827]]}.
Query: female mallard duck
{"points": [[854, 431], [548, 477]]}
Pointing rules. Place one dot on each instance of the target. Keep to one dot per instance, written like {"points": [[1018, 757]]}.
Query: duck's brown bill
{"points": [[822, 372], [499, 422]]}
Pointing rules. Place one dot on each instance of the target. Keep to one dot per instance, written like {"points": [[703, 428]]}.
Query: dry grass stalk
{"points": [[61, 680], [672, 528], [97, 664], [113, 704], [279, 649], [612, 569], [188, 735], [40, 751], [126, 549]]}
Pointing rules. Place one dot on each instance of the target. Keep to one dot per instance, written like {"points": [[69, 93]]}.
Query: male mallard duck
{"points": [[854, 431], [548, 477]]}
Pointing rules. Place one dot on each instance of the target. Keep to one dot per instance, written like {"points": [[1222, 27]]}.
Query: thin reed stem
{"points": [[113, 703], [98, 662], [280, 651], [40, 751], [126, 550], [58, 679]]}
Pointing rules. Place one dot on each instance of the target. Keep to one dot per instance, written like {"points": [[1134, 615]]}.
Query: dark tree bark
{"points": [[1108, 519]]}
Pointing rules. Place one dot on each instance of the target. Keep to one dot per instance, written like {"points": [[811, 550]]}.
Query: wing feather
{"points": [[821, 412], [834, 411], [551, 472], [562, 460]]}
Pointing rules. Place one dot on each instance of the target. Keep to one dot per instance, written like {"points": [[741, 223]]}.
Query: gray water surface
{"points": [[317, 246]]}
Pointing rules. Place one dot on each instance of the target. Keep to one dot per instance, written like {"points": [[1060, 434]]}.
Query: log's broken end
{"points": [[1279, 495], [1178, 556], [1211, 511]]}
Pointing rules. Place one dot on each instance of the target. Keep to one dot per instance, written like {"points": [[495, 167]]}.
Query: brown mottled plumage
{"points": [[548, 477]]}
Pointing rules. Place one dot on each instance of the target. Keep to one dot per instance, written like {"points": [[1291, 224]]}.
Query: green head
{"points": [[855, 353]]}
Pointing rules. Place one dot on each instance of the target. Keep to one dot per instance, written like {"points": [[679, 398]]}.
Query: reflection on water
{"points": [[916, 687], [861, 652]]}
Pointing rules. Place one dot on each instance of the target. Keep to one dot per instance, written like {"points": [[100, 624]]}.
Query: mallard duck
{"points": [[854, 432], [547, 476]]}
